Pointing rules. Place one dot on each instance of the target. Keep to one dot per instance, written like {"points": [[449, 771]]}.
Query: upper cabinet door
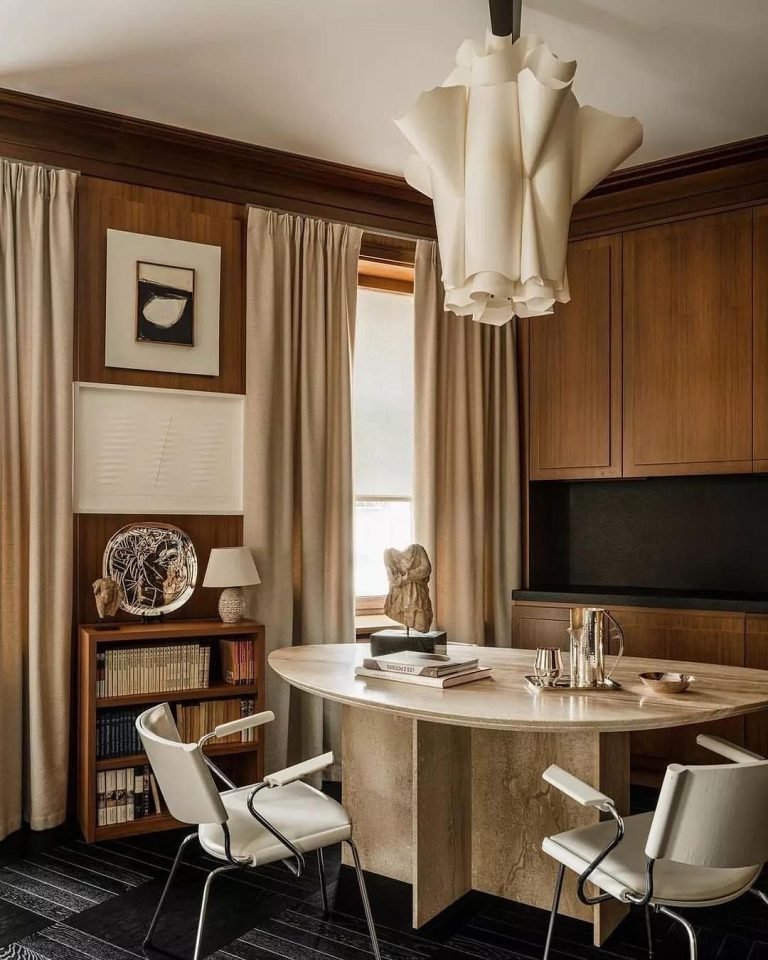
{"points": [[575, 371], [760, 301], [688, 347]]}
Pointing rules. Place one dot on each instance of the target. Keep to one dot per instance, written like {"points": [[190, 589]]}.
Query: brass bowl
{"points": [[667, 682]]}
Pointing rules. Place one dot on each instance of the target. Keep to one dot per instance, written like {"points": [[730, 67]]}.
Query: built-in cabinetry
{"points": [[700, 636], [576, 371], [688, 347], [655, 354], [760, 339]]}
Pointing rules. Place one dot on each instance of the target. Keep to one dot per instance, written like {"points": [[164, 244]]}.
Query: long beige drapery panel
{"points": [[467, 471], [37, 268], [302, 290]]}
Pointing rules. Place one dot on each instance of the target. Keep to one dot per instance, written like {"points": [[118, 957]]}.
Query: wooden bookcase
{"points": [[243, 762]]}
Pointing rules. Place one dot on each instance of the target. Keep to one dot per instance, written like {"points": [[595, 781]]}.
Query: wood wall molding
{"points": [[145, 153], [141, 152], [707, 181]]}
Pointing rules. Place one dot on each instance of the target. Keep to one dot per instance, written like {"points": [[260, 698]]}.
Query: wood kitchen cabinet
{"points": [[760, 339], [687, 309], [703, 636], [575, 371], [757, 656]]}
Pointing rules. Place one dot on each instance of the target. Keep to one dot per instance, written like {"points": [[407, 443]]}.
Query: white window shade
{"points": [[383, 395]]}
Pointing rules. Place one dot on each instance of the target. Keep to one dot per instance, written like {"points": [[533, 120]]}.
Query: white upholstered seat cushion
{"points": [[623, 870], [306, 817]]}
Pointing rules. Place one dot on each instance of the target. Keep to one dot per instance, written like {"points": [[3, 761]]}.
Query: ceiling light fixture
{"points": [[504, 150]]}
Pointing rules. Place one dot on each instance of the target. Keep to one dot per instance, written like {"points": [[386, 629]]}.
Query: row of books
{"points": [[428, 669], [238, 661], [123, 795], [196, 719], [159, 669], [116, 733]]}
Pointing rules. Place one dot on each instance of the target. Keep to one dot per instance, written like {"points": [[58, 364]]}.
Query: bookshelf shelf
{"points": [[216, 690], [242, 761], [212, 749], [146, 825]]}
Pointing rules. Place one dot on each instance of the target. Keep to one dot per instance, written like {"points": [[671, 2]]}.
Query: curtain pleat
{"points": [[37, 268], [467, 470], [302, 291]]}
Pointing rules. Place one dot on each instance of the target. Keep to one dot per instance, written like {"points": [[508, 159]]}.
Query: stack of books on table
{"points": [[428, 669]]}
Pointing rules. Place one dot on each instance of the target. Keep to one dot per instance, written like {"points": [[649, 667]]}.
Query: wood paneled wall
{"points": [[109, 204]]}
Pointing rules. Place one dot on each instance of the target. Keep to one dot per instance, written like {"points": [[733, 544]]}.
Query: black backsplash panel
{"points": [[701, 534]]}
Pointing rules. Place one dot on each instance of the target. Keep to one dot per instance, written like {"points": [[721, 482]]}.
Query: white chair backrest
{"points": [[712, 816], [184, 779]]}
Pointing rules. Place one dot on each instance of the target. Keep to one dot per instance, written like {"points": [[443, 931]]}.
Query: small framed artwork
{"points": [[162, 304], [165, 304]]}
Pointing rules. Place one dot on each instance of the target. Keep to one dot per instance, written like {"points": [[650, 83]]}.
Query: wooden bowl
{"points": [[667, 682]]}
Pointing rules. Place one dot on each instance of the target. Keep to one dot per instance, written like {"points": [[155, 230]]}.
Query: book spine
{"points": [[130, 799], [109, 798], [101, 789]]}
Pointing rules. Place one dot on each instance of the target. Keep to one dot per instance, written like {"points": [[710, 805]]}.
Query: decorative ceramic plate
{"points": [[156, 565]]}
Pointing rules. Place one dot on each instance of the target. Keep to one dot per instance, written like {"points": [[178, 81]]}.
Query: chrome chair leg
{"points": [[177, 860], [555, 905], [760, 894], [648, 930], [688, 929], [321, 871], [364, 898], [204, 905]]}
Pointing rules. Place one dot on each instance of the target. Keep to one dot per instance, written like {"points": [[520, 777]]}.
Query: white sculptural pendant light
{"points": [[504, 150]]}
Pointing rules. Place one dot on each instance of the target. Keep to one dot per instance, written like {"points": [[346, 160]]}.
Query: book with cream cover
{"points": [[420, 664]]}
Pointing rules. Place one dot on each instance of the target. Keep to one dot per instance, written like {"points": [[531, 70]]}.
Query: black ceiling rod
{"points": [[505, 18]]}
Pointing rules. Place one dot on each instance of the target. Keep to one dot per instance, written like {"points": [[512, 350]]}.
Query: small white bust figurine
{"points": [[408, 602]]}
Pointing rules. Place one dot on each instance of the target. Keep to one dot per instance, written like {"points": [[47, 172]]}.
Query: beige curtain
{"points": [[37, 267], [302, 289], [467, 472]]}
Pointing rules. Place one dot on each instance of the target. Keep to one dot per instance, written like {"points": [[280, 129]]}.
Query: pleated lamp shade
{"points": [[504, 150]]}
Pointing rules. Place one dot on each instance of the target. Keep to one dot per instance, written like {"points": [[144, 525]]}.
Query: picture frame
{"points": [[162, 304], [152, 450]]}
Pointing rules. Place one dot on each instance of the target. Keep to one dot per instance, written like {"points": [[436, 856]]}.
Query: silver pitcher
{"points": [[592, 629]]}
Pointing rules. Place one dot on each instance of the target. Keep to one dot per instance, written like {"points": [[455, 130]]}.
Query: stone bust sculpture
{"points": [[108, 593], [408, 601]]}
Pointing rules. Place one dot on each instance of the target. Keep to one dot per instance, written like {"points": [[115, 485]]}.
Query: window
{"points": [[382, 436]]}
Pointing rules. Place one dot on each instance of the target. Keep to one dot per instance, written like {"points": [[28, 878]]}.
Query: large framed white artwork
{"points": [[148, 450], [162, 304]]}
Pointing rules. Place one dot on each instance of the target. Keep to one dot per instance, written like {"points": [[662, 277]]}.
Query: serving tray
{"points": [[563, 685]]}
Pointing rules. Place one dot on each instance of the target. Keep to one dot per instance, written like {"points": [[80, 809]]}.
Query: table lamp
{"points": [[232, 568]]}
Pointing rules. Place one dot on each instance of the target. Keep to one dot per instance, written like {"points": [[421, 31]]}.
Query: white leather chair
{"points": [[704, 845], [280, 818]]}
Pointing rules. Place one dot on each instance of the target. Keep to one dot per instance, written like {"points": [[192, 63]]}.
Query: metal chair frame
{"points": [[297, 868], [640, 900]]}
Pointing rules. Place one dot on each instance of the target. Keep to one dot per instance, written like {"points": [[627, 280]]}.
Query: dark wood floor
{"points": [[61, 899]]}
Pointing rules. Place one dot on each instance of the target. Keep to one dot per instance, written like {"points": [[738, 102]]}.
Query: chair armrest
{"points": [[281, 777], [725, 748], [576, 789], [244, 723]]}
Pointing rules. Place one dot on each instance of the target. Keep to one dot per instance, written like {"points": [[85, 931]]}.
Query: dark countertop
{"points": [[644, 597]]}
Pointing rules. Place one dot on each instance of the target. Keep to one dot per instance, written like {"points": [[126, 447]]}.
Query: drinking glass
{"points": [[548, 665]]}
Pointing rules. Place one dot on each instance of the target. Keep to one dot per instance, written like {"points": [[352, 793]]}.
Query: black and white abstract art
{"points": [[162, 304], [165, 304]]}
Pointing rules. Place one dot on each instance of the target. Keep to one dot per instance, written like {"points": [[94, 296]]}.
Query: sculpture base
{"points": [[395, 641]]}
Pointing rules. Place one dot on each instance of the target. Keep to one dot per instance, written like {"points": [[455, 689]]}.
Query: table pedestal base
{"points": [[449, 809]]}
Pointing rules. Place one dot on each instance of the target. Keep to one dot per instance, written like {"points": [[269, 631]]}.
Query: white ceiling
{"points": [[325, 77]]}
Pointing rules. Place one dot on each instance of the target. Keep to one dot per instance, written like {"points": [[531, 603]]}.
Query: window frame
{"points": [[389, 276]]}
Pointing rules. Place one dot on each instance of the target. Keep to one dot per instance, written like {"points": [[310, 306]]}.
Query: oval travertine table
{"points": [[444, 786]]}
